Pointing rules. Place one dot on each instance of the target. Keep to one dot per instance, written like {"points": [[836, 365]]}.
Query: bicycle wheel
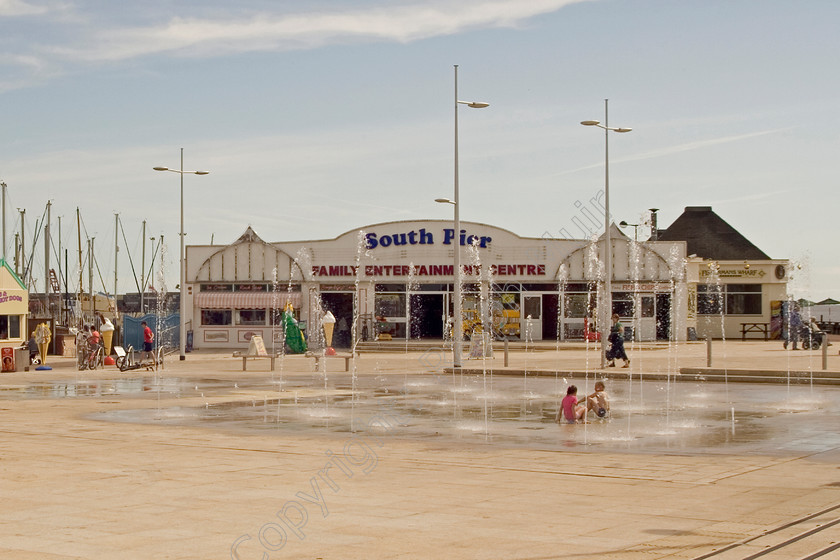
{"points": [[93, 361]]}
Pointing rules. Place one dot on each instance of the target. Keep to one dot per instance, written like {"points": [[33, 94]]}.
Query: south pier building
{"points": [[398, 277]]}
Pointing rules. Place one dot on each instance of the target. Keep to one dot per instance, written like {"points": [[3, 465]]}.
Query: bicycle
{"points": [[126, 361], [92, 357]]}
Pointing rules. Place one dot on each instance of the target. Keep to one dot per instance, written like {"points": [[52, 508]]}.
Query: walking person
{"points": [[616, 339], [794, 325], [148, 340]]}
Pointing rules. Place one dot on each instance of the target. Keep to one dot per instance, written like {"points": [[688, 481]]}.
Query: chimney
{"points": [[654, 232]]}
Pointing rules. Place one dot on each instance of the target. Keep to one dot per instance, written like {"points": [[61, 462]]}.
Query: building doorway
{"points": [[426, 316], [532, 315], [550, 316], [663, 316], [341, 306]]}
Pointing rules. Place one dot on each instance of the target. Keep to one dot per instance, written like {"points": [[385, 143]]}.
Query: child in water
{"points": [[599, 401], [570, 410]]}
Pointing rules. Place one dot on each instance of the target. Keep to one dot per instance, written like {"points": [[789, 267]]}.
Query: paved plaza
{"points": [[400, 458]]}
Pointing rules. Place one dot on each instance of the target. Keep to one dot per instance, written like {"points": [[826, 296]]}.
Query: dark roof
{"points": [[708, 236]]}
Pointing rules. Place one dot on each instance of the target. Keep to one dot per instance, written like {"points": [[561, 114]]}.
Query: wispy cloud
{"points": [[13, 8], [670, 150], [222, 35]]}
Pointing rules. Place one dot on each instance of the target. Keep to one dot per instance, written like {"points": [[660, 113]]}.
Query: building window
{"points": [[532, 307], [709, 300], [390, 287], [9, 326], [576, 306], [215, 317], [623, 304], [743, 299], [250, 316], [731, 299], [390, 305], [647, 306]]}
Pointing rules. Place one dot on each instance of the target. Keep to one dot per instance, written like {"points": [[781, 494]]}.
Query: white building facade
{"points": [[398, 277]]}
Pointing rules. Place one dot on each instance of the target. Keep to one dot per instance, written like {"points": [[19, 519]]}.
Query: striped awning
{"points": [[244, 300]]}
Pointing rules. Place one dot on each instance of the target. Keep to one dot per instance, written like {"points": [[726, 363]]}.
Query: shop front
{"points": [[14, 307], [394, 281], [737, 299]]}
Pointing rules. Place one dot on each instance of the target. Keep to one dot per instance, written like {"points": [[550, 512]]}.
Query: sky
{"points": [[315, 118]]}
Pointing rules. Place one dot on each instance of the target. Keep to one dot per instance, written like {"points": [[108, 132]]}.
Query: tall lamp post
{"points": [[181, 304], [605, 329], [458, 325]]}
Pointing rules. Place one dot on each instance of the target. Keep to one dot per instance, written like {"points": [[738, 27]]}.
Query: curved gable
{"points": [[248, 259], [631, 262]]}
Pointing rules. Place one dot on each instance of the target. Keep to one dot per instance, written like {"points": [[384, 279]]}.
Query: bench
{"points": [[245, 357], [761, 328], [318, 357]]}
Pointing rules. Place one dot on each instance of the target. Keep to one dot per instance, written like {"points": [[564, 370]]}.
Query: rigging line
{"points": [[59, 257], [130, 260], [99, 272], [27, 263], [152, 264], [27, 269]]}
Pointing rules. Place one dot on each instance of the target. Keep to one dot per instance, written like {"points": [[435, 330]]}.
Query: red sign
{"points": [[379, 271], [8, 356]]}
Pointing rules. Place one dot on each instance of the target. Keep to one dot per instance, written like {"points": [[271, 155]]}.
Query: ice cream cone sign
{"points": [[42, 339], [329, 324]]}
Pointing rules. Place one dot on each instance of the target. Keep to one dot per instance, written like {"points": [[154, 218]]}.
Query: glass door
{"points": [[532, 317]]}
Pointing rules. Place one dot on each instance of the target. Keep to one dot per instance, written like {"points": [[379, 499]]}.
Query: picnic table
{"points": [[756, 327]]}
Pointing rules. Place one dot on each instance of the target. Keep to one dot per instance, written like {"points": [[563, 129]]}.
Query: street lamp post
{"points": [[458, 325], [181, 304], [635, 227], [605, 329]]}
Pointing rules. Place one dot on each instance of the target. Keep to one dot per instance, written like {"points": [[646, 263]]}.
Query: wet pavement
{"points": [[646, 416], [202, 460]]}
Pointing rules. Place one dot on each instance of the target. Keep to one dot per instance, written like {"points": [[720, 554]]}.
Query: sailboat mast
{"points": [[22, 251], [143, 272], [116, 250], [81, 289], [3, 185], [79, 236], [90, 276], [47, 253]]}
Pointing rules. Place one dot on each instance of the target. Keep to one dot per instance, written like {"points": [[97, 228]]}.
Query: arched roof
{"points": [[631, 262], [249, 258]]}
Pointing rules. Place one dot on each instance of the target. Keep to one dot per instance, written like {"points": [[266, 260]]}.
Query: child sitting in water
{"points": [[599, 401], [570, 410]]}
